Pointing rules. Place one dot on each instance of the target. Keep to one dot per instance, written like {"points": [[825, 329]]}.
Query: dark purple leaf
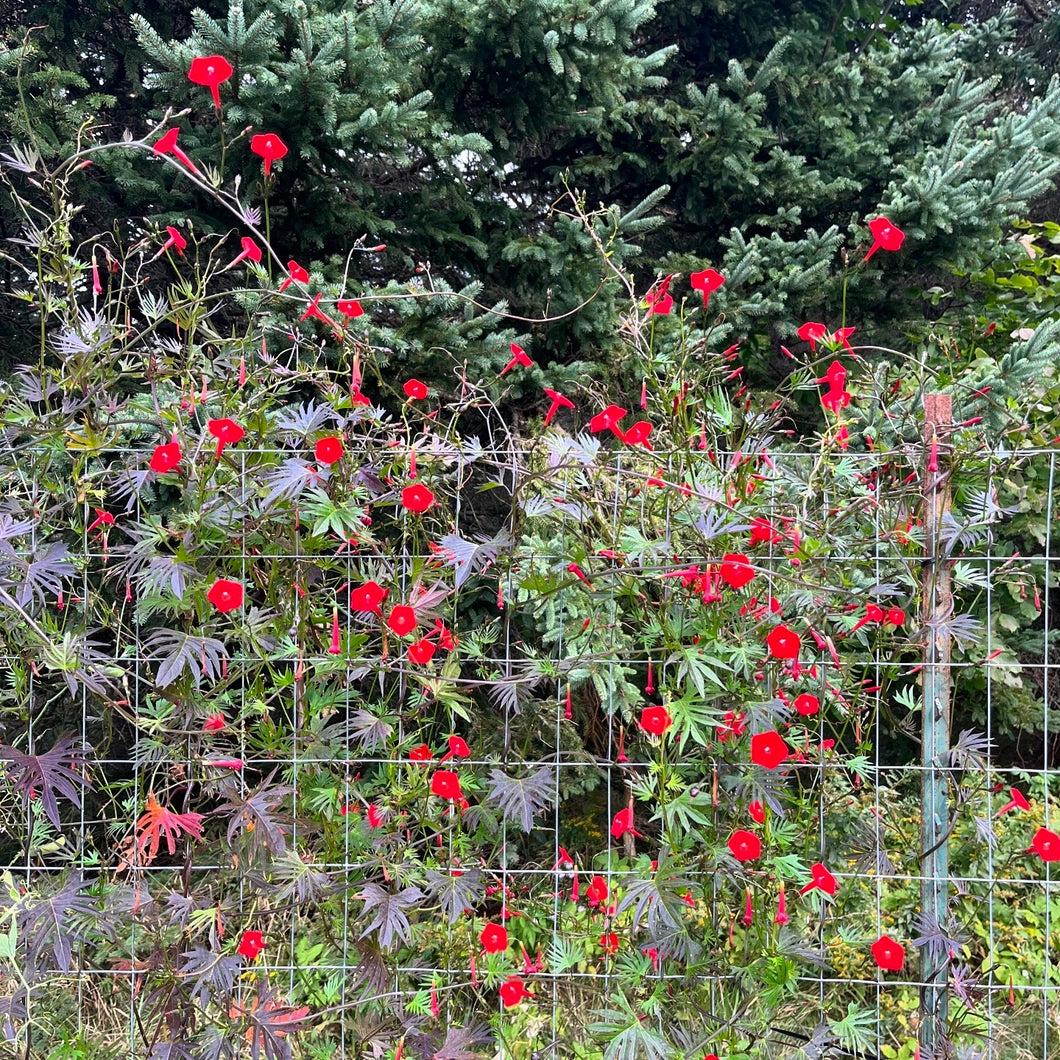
{"points": [[57, 771], [520, 798], [455, 893], [389, 921]]}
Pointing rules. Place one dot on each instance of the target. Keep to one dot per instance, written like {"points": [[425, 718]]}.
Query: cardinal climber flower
{"points": [[368, 597], [294, 272], [421, 754], [609, 942], [402, 620], [1046, 845], [513, 991], [820, 880], [494, 938], [558, 402], [251, 944], [214, 722], [458, 748], [329, 449], [768, 749], [885, 236], [889, 955], [349, 308], [596, 892], [660, 300], [706, 281], [165, 457], [446, 785], [417, 498], [894, 616], [655, 720], [1018, 802], [806, 704], [167, 145], [270, 147], [227, 432], [415, 390], [250, 250], [638, 434], [421, 651], [623, 823], [783, 642], [211, 71], [519, 356], [744, 845], [736, 570], [812, 332], [607, 420], [225, 595], [175, 240], [757, 812]]}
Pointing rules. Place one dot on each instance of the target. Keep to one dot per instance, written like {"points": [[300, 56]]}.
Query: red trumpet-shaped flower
{"points": [[1046, 845], [519, 356], [314, 310], [820, 880], [294, 272], [227, 432], [214, 722], [175, 240], [349, 308], [513, 991], [706, 281], [812, 332], [225, 595], [421, 651], [458, 748], [744, 845], [807, 704], [165, 457], [596, 892], [638, 434], [402, 620], [270, 147], [250, 945], [623, 823], [782, 906], [558, 402], [660, 300], [329, 449], [415, 390], [885, 236], [417, 498], [446, 785], [210, 70], [783, 642], [494, 938], [607, 420], [168, 146], [736, 570], [888, 954], [757, 812], [421, 754], [1018, 802], [368, 597], [768, 749], [655, 720], [250, 250], [335, 647]]}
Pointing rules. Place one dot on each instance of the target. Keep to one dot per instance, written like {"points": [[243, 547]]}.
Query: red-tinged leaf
{"points": [[158, 822]]}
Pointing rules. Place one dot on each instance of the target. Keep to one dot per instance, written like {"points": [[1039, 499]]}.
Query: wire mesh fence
{"points": [[573, 751]]}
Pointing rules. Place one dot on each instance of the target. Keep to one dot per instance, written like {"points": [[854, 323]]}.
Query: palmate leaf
{"points": [[368, 731], [59, 771], [627, 1037], [209, 974], [267, 1021], [254, 815], [389, 921], [519, 798], [58, 921], [289, 481], [461, 1043], [455, 893], [36, 577], [469, 557], [177, 652], [158, 822]]}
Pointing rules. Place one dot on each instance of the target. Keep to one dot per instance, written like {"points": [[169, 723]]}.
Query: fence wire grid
{"points": [[244, 856]]}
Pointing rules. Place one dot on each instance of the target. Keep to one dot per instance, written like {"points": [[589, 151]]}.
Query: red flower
{"points": [[225, 595], [421, 651], [446, 785], [168, 146], [165, 457], [608, 419], [1046, 845], [175, 240], [889, 955], [733, 724], [368, 597], [519, 356], [820, 880], [1018, 802], [513, 991], [214, 722], [314, 310], [251, 944], [706, 281], [596, 892], [328, 450], [402, 620], [417, 498], [885, 236], [638, 434], [782, 906], [895, 616], [807, 704], [211, 70], [294, 272], [349, 308], [335, 647], [763, 530], [415, 390], [812, 332], [736, 570], [655, 720], [661, 304], [768, 749], [226, 763], [609, 942], [421, 754], [745, 846], [623, 823], [250, 250], [757, 812], [835, 377], [270, 147], [494, 938], [458, 748], [227, 432], [783, 643], [558, 402], [375, 816]]}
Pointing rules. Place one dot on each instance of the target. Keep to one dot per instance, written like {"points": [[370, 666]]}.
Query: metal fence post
{"points": [[935, 736]]}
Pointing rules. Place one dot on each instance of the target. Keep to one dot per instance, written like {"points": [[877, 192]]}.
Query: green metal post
{"points": [[935, 746]]}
